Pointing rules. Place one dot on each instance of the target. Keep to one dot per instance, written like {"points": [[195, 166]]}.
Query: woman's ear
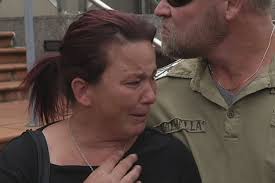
{"points": [[233, 7], [81, 91]]}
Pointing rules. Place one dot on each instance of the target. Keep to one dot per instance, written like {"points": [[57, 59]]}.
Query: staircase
{"points": [[13, 109], [13, 68]]}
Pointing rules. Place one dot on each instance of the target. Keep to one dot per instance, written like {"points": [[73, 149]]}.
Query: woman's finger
{"points": [[133, 175], [109, 164], [124, 166]]}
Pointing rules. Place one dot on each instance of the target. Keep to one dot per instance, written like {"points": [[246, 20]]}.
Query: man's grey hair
{"points": [[262, 6]]}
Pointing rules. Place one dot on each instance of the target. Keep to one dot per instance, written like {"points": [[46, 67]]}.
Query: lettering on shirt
{"points": [[176, 124]]}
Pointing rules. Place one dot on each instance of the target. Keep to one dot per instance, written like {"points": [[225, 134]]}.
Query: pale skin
{"points": [[104, 124], [238, 54]]}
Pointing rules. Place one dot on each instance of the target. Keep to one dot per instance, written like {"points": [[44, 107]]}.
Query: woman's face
{"points": [[127, 88]]}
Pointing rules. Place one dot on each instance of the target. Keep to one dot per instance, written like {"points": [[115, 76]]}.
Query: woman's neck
{"points": [[91, 141]]}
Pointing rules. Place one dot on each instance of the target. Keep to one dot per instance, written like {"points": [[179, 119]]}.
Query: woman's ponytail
{"points": [[45, 87]]}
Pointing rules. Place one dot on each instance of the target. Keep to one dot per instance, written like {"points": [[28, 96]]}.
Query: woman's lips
{"points": [[140, 117]]}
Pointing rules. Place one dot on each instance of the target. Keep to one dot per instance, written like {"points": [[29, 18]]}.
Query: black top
{"points": [[163, 158]]}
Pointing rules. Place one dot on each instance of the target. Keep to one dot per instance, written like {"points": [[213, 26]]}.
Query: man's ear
{"points": [[81, 91], [233, 7]]}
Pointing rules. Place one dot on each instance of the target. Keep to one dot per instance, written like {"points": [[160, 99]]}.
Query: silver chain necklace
{"points": [[79, 149], [245, 82]]}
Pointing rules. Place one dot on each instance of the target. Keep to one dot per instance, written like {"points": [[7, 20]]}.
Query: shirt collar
{"points": [[202, 82]]}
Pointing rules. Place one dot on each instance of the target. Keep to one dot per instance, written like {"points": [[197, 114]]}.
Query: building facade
{"points": [[15, 8]]}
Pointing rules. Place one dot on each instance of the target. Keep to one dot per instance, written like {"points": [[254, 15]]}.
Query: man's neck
{"points": [[241, 54]]}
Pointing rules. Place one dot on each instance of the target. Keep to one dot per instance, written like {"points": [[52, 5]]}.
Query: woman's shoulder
{"points": [[155, 140], [160, 138], [157, 150], [22, 144], [19, 156]]}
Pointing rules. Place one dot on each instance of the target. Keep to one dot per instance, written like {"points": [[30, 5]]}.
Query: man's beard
{"points": [[170, 47], [197, 41]]}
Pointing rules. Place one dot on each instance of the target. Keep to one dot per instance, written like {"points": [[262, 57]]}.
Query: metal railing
{"points": [[101, 4]]}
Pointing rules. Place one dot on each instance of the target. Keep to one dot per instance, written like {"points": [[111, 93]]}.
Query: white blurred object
{"points": [[53, 3], [71, 7]]}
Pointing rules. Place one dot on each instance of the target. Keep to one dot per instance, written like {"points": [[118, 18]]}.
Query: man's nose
{"points": [[162, 9]]}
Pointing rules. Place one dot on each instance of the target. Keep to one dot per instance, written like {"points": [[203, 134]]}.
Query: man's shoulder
{"points": [[182, 68]]}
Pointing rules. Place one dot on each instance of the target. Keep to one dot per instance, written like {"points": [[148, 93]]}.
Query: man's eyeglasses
{"points": [[176, 3]]}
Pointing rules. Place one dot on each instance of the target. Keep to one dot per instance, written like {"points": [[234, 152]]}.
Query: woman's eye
{"points": [[133, 83]]}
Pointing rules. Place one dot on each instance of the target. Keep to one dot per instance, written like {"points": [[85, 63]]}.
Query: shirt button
{"points": [[230, 114]]}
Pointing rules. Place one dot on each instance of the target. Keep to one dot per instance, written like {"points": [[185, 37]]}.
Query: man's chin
{"points": [[171, 54], [176, 54]]}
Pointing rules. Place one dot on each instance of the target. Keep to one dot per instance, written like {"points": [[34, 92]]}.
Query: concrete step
{"points": [[11, 91], [6, 39], [12, 72], [12, 55]]}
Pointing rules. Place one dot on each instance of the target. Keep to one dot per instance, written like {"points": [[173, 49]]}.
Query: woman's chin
{"points": [[137, 129]]}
